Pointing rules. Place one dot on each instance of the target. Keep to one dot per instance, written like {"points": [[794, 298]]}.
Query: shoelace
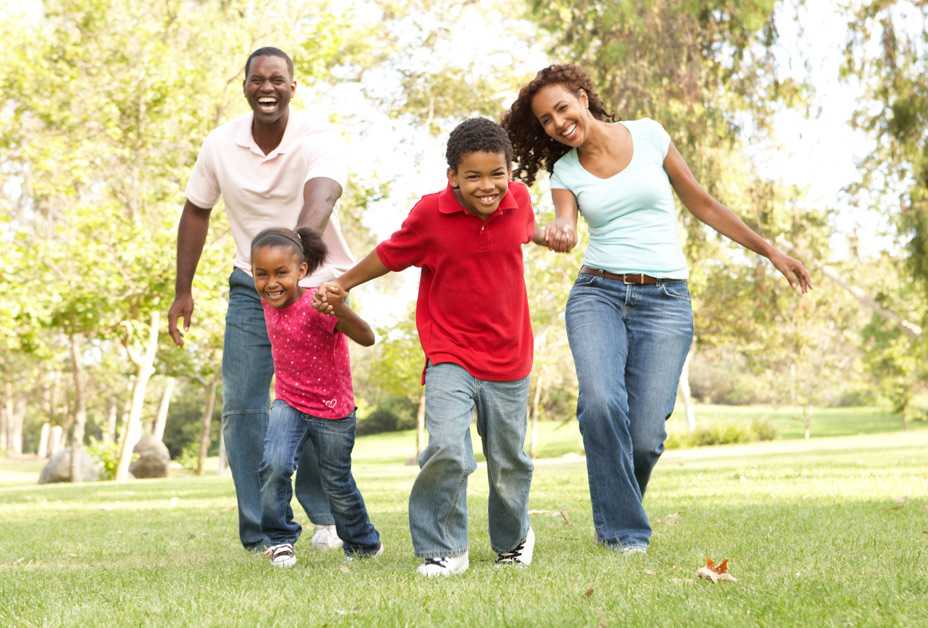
{"points": [[438, 562], [511, 555], [280, 550]]}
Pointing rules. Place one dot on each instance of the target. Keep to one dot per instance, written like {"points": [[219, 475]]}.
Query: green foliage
{"points": [[108, 455], [722, 434], [395, 413]]}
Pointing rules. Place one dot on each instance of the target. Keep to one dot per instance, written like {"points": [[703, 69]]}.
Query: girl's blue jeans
{"points": [[246, 379], [289, 432], [628, 343]]}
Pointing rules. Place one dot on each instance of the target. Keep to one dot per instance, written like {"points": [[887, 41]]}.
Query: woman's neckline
{"points": [[631, 159]]}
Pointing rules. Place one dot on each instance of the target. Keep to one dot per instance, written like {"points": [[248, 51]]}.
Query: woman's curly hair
{"points": [[532, 148]]}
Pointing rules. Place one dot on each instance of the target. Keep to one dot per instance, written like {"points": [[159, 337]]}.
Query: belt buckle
{"points": [[632, 283]]}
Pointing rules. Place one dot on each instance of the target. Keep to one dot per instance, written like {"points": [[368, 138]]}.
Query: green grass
{"points": [[830, 531]]}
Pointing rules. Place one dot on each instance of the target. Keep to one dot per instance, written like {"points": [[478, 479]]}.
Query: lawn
{"points": [[829, 531]]}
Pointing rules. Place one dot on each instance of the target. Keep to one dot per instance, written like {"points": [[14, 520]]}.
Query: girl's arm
{"points": [[561, 235], [702, 205], [351, 324]]}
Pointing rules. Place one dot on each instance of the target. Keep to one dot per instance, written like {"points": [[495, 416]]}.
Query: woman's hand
{"points": [[795, 273], [560, 236]]}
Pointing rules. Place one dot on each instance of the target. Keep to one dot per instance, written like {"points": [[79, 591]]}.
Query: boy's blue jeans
{"points": [[438, 501], [289, 432], [246, 378], [629, 343]]}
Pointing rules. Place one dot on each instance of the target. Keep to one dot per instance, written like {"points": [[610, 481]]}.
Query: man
{"points": [[274, 168]]}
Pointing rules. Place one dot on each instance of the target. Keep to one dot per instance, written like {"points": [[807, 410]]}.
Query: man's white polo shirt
{"points": [[262, 191]]}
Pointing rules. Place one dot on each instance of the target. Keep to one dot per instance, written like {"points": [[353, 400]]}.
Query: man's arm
{"points": [[319, 197], [191, 235]]}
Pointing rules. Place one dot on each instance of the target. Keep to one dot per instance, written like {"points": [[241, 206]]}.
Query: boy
{"points": [[473, 323]]}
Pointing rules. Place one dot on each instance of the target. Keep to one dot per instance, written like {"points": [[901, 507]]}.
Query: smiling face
{"points": [[269, 88], [277, 270], [565, 117], [482, 179]]}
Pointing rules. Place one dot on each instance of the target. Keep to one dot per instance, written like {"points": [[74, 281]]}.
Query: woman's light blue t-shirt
{"points": [[631, 215]]}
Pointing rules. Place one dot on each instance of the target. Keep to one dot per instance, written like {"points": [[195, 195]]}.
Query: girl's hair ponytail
{"points": [[304, 241]]}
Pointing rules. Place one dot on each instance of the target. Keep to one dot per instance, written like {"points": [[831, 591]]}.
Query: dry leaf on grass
{"points": [[714, 572], [588, 592]]}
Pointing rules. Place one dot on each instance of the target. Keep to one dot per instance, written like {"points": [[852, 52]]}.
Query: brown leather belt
{"points": [[635, 278]]}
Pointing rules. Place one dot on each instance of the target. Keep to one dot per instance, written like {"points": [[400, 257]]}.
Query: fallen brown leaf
{"points": [[588, 592], [714, 572]]}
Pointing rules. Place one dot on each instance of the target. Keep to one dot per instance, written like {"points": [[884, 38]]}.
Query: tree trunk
{"points": [[146, 368], [14, 434], [80, 411], [162, 419], [223, 461], [126, 410], [109, 434], [687, 393], [42, 450], [54, 440], [807, 420], [533, 421], [6, 417], [207, 422], [420, 425]]}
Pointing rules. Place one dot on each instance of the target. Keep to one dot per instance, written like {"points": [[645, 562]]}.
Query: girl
{"points": [[315, 401], [629, 320]]}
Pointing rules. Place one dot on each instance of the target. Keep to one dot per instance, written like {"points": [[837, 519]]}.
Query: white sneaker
{"points": [[325, 538], [631, 550], [521, 554], [443, 566], [281, 555]]}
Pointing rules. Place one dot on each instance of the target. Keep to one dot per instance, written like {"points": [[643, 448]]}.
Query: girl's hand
{"points": [[560, 236], [328, 296], [795, 273]]}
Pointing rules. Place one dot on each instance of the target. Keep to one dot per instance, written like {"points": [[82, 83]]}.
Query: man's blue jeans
{"points": [[438, 501], [289, 432], [246, 378], [629, 343]]}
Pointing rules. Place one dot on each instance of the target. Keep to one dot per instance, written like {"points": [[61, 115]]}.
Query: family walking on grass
{"points": [[628, 317]]}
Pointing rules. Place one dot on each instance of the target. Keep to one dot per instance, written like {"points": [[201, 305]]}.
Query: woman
{"points": [[629, 318]]}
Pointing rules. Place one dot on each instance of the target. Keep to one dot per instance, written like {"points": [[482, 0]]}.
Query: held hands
{"points": [[560, 237], [328, 297], [795, 273]]}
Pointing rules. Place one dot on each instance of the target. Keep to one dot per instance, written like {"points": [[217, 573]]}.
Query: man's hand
{"points": [[794, 271], [181, 308]]}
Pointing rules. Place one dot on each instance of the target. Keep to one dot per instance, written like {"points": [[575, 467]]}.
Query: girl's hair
{"points": [[307, 243], [532, 148]]}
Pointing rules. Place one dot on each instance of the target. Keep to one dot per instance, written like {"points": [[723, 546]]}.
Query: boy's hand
{"points": [[329, 296], [560, 237]]}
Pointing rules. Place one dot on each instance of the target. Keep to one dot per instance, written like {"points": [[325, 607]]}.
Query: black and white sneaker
{"points": [[444, 566], [281, 555], [521, 554]]}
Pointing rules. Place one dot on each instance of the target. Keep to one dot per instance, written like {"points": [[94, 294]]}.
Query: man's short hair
{"points": [[270, 51]]}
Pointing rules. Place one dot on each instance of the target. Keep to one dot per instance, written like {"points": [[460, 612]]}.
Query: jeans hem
{"points": [[450, 553]]}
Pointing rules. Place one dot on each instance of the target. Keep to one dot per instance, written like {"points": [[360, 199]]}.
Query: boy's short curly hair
{"points": [[533, 148], [477, 135]]}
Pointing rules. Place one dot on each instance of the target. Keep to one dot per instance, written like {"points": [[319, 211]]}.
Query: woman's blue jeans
{"points": [[438, 501], [629, 343], [247, 369], [289, 433]]}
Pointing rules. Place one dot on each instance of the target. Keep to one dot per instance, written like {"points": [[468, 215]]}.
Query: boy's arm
{"points": [[353, 325]]}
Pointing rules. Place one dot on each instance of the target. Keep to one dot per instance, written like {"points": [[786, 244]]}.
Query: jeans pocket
{"points": [[676, 290], [585, 280]]}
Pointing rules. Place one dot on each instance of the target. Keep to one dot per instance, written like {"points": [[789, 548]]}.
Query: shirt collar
{"points": [[448, 202], [245, 139]]}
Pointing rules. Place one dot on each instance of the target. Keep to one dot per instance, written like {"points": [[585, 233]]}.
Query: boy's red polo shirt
{"points": [[472, 308]]}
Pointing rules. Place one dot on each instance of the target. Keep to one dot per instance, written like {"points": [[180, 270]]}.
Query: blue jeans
{"points": [[246, 378], [629, 343], [438, 501], [288, 433]]}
